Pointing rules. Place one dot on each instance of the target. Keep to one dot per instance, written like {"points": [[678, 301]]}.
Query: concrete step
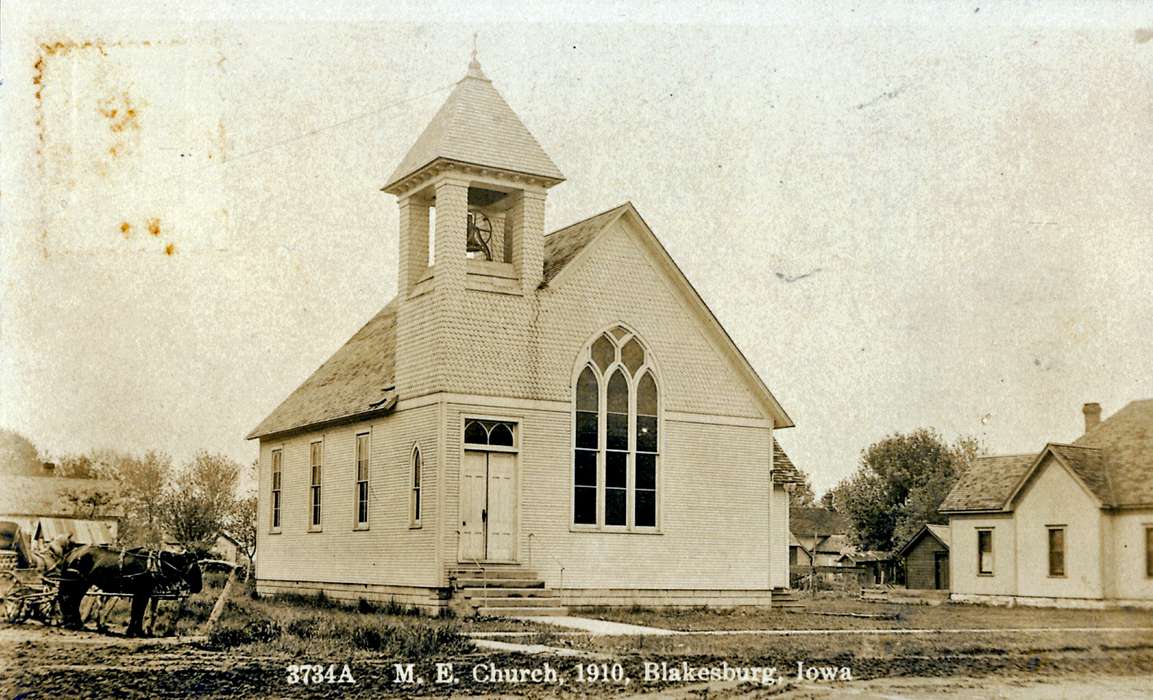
{"points": [[514, 602], [520, 612], [480, 593], [493, 572], [462, 583]]}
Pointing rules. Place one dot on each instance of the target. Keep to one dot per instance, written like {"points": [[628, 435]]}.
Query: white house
{"points": [[1071, 525], [534, 420]]}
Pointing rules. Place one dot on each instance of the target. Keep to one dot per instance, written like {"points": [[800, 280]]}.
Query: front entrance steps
{"points": [[786, 598], [501, 590]]}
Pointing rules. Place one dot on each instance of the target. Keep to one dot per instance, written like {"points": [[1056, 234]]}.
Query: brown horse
{"points": [[136, 572]]}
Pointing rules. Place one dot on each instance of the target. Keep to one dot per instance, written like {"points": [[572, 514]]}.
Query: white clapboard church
{"points": [[534, 421]]}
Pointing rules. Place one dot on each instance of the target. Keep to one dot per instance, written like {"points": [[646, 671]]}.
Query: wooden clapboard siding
{"points": [[389, 552], [779, 538], [714, 507], [920, 562]]}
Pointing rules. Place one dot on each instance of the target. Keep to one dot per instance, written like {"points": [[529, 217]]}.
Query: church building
{"points": [[535, 421]]}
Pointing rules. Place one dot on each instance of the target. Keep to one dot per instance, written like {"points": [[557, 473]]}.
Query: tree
{"points": [[141, 483], [828, 500], [898, 485], [803, 495], [200, 501], [242, 526], [88, 504], [18, 456]]}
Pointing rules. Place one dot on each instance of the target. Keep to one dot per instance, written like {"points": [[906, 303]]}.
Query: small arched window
{"points": [[414, 500], [615, 435]]}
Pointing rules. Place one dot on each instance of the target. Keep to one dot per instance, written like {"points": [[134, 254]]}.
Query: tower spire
{"points": [[474, 70]]}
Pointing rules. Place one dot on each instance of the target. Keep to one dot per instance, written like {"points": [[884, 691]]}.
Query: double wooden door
{"points": [[488, 506]]}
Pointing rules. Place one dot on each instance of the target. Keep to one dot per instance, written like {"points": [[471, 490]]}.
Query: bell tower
{"points": [[471, 195]]}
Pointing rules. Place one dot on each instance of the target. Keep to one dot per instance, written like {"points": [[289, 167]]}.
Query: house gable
{"points": [[1082, 465], [586, 246]]}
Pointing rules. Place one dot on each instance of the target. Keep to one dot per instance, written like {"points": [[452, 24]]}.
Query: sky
{"points": [[904, 219]]}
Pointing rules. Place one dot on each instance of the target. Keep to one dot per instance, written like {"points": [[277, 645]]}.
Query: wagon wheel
{"points": [[16, 603]]}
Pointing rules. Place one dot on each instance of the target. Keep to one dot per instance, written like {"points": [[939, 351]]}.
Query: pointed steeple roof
{"points": [[476, 126]]}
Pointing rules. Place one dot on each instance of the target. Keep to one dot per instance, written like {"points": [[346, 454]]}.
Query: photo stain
{"points": [[170, 249], [154, 227], [125, 229]]}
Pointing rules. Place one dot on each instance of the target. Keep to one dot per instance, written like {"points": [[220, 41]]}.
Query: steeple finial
{"points": [[474, 70]]}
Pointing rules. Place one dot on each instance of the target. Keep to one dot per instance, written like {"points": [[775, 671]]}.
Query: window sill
{"points": [[315, 529], [610, 530], [275, 532], [1058, 576], [415, 526], [360, 528], [985, 575]]}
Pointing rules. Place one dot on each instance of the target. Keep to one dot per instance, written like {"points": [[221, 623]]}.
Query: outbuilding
{"points": [[926, 557]]}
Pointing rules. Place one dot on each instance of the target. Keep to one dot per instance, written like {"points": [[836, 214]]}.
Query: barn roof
{"points": [[806, 522], [475, 126], [1114, 461], [48, 496]]}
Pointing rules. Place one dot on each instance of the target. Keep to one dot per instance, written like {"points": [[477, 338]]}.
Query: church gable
{"points": [[620, 274]]}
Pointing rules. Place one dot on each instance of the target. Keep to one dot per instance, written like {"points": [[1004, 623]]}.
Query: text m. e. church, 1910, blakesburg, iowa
{"points": [[534, 421]]}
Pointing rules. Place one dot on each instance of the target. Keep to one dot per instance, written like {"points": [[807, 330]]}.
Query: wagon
{"points": [[29, 594]]}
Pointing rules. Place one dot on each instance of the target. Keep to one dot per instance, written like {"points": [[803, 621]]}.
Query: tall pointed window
{"points": [[615, 436], [414, 499]]}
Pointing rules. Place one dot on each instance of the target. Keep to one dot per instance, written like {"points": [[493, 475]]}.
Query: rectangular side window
{"points": [[362, 480], [985, 552], [276, 476], [315, 453], [1056, 551]]}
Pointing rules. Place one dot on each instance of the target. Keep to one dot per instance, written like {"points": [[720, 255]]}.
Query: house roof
{"points": [[476, 126], [1114, 461], [987, 483], [359, 378], [806, 522], [939, 532], [1126, 442], [47, 496]]}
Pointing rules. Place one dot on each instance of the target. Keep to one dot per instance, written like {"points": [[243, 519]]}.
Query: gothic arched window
{"points": [[615, 435]]}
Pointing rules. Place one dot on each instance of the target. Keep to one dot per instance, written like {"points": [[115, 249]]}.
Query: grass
{"points": [[948, 616], [317, 624]]}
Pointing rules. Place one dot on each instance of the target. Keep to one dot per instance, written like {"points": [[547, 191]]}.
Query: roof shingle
{"points": [[476, 126], [355, 378], [987, 483]]}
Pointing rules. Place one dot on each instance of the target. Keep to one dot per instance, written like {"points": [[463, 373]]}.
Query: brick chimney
{"points": [[1092, 413]]}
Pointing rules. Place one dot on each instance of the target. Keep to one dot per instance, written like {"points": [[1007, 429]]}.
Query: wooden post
{"points": [[220, 601]]}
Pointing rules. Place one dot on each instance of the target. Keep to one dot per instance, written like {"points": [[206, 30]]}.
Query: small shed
{"points": [[926, 557]]}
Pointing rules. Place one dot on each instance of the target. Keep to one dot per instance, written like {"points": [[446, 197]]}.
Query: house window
{"points": [[615, 436], [362, 480], [414, 500], [1149, 551], [985, 552], [1056, 551], [314, 463], [276, 470]]}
